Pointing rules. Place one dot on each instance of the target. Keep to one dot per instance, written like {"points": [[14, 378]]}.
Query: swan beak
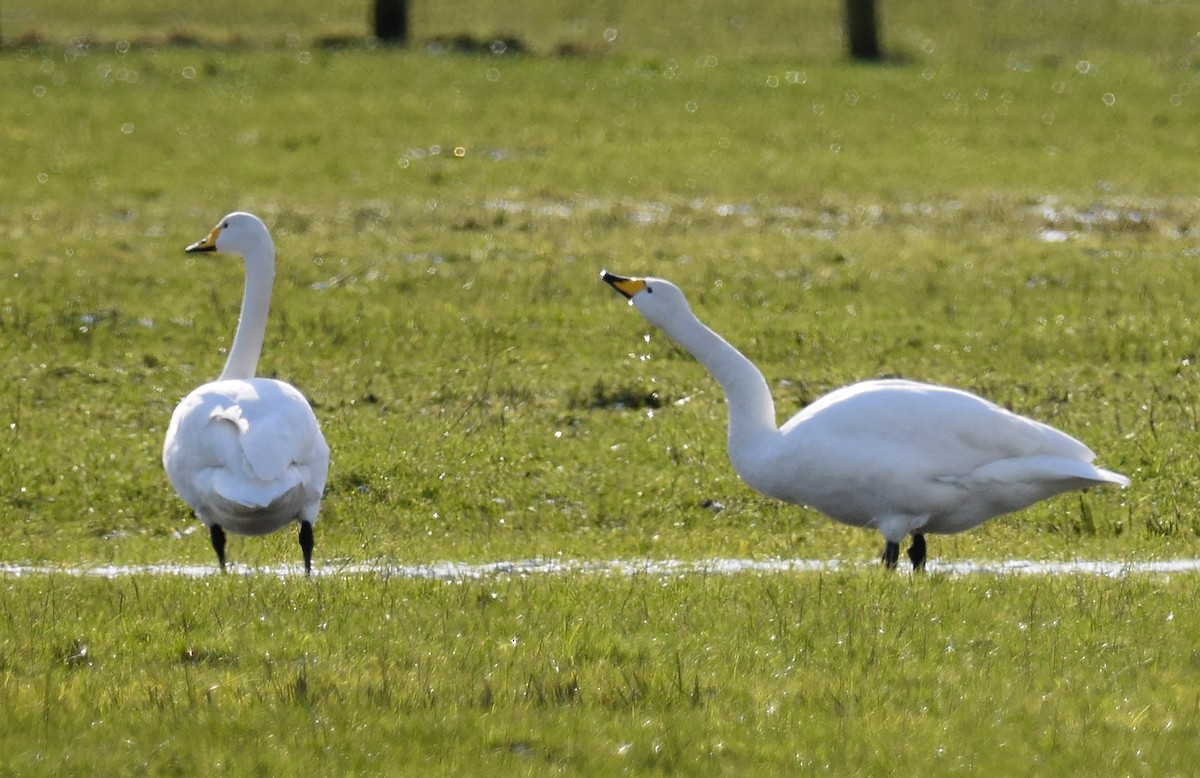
{"points": [[208, 244], [626, 286]]}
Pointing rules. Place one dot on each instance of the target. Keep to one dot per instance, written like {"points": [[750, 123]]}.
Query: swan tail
{"points": [[1046, 470], [240, 493], [1113, 478], [256, 509]]}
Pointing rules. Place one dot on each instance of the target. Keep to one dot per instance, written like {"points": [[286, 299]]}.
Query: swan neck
{"points": [[252, 322], [747, 396]]}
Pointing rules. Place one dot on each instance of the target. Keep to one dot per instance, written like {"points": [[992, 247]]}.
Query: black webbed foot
{"points": [[891, 554]]}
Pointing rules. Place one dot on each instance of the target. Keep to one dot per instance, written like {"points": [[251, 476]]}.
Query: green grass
{"points": [[1005, 206], [831, 672]]}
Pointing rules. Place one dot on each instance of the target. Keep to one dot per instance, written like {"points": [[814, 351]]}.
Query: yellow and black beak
{"points": [[626, 286], [208, 244]]}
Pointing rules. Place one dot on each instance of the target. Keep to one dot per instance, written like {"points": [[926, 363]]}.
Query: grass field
{"points": [[862, 674], [1008, 205]]}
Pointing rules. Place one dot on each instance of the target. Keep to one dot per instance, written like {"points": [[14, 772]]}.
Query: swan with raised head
{"points": [[246, 453], [903, 457]]}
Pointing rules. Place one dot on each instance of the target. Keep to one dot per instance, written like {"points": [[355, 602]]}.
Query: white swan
{"points": [[900, 456], [246, 453]]}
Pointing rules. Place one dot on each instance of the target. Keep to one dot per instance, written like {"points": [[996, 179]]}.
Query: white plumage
{"points": [[904, 457], [246, 453]]}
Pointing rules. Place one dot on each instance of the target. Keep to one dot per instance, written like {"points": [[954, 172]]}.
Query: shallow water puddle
{"points": [[456, 571]]}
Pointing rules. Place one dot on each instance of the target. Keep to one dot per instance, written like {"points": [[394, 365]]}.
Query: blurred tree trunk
{"points": [[391, 21], [862, 30]]}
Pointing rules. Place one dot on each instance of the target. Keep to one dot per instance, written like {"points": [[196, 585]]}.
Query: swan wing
{"points": [[280, 432], [947, 429], [922, 451]]}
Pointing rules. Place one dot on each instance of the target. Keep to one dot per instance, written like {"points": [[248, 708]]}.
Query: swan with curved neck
{"points": [[903, 457], [246, 453]]}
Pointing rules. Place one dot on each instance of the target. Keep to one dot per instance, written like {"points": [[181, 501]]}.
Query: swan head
{"points": [[659, 301], [240, 233]]}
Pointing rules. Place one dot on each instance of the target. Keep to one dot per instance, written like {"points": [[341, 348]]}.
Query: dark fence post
{"points": [[391, 21], [862, 30]]}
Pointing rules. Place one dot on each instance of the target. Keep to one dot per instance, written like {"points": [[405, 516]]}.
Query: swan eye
{"points": [[225, 226], [649, 289]]}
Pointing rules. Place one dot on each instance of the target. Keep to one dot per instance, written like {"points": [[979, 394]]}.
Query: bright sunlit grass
{"points": [[701, 675], [1006, 206]]}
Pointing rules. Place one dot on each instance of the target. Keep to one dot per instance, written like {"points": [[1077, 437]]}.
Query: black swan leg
{"points": [[916, 552], [218, 542], [306, 545], [891, 553]]}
